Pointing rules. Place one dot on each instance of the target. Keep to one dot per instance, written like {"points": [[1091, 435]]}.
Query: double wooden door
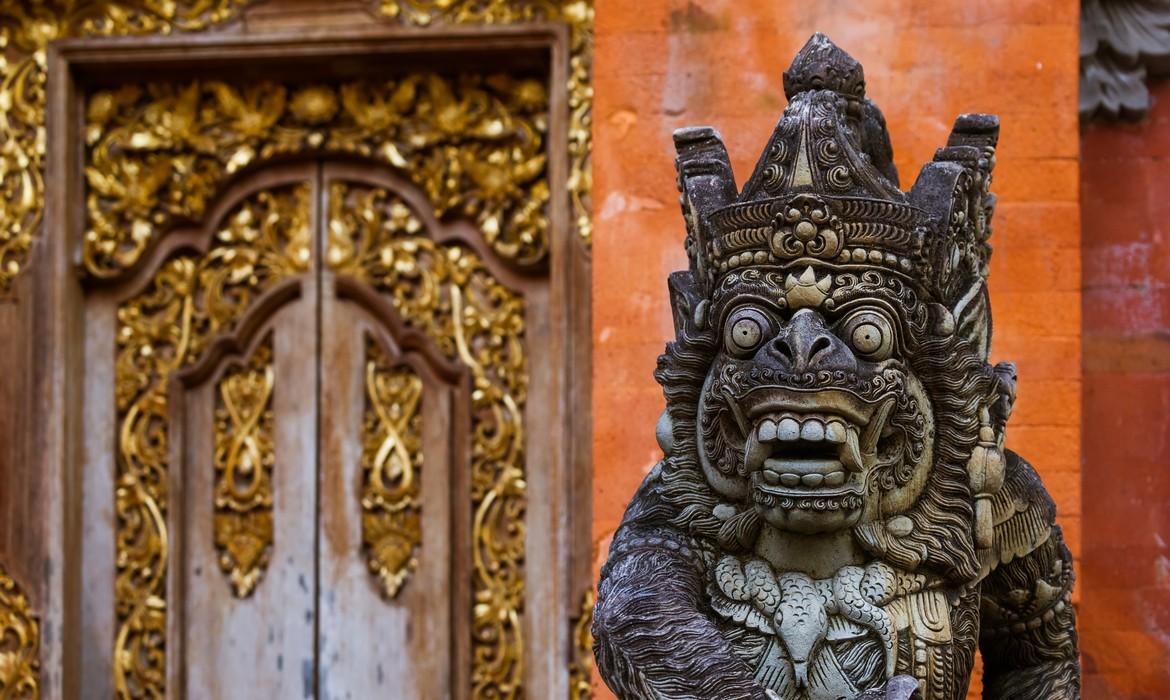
{"points": [[315, 465], [317, 460]]}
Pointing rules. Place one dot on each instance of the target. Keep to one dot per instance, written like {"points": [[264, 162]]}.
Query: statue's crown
{"points": [[825, 191]]}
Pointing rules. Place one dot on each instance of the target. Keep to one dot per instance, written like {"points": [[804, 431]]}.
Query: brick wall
{"points": [[662, 64], [1125, 576]]}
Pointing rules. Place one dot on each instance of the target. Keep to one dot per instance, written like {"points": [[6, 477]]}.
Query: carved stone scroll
{"points": [[244, 458], [447, 293], [836, 516], [1124, 45], [190, 300], [392, 463]]}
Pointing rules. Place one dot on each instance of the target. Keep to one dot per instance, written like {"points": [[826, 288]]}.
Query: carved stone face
{"points": [[810, 411]]}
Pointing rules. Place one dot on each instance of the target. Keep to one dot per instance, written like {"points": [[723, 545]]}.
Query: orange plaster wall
{"points": [[1125, 584], [663, 64]]}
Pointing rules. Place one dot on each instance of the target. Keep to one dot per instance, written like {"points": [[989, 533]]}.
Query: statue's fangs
{"points": [[836, 516]]}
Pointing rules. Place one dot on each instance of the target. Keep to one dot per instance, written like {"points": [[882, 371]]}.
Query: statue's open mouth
{"points": [[810, 444]]}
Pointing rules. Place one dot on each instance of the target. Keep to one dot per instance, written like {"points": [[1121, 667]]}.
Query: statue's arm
{"points": [[653, 636], [1028, 633]]}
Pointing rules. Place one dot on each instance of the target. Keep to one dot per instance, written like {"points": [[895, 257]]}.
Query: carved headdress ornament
{"points": [[825, 195]]}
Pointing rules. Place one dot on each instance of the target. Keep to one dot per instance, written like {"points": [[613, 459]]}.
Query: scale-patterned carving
{"points": [[244, 457], [446, 292], [392, 460]]}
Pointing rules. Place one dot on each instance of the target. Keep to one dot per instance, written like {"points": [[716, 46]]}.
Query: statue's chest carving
{"points": [[831, 638]]}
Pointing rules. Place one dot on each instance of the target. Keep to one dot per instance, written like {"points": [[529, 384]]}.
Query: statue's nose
{"points": [[805, 344]]}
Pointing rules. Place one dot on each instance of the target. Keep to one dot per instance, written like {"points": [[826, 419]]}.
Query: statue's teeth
{"points": [[851, 451], [812, 430], [835, 431], [788, 429], [767, 430], [754, 454]]}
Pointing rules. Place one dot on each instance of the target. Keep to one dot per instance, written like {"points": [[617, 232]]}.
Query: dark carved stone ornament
{"points": [[1124, 45], [835, 515]]}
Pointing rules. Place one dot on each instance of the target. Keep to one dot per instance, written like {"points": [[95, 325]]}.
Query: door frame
{"points": [[78, 65]]}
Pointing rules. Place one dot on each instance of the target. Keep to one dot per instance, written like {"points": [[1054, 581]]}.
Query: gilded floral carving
{"points": [[447, 292], [26, 28], [191, 299], [578, 14], [581, 665], [158, 154], [20, 643], [244, 457], [391, 467]]}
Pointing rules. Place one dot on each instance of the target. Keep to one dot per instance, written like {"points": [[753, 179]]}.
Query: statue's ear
{"points": [[954, 190], [1005, 392], [688, 304], [705, 184], [972, 314]]}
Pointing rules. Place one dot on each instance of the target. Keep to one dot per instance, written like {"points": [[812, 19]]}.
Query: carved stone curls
{"points": [[835, 516]]}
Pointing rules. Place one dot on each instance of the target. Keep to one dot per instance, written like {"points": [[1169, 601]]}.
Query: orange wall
{"points": [[1125, 617], [663, 64]]}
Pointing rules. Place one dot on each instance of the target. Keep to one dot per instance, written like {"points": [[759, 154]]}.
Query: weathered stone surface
{"points": [[835, 515]]}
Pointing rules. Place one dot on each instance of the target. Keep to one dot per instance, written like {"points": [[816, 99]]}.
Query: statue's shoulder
{"points": [[1023, 514]]}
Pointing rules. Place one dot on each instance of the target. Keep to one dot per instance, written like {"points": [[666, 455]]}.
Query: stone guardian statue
{"points": [[835, 516]]}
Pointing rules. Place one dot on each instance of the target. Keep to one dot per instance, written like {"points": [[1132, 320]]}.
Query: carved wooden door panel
{"points": [[318, 451], [245, 568]]}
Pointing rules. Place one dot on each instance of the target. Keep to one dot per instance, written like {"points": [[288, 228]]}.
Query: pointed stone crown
{"points": [[825, 191]]}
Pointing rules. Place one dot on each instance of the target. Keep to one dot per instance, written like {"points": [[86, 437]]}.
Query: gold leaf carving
{"points": [[581, 665], [190, 300], [20, 643], [474, 144], [446, 292], [244, 456], [578, 14], [26, 28], [391, 464]]}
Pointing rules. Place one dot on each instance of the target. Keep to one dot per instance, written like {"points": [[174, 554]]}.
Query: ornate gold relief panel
{"points": [[447, 293], [159, 153], [244, 457], [20, 642], [191, 299], [392, 460], [27, 28]]}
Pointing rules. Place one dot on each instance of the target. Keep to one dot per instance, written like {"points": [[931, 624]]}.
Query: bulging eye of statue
{"points": [[870, 334], [746, 328]]}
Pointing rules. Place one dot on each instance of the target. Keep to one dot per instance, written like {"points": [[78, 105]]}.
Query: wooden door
{"points": [[319, 471], [321, 428], [319, 451]]}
